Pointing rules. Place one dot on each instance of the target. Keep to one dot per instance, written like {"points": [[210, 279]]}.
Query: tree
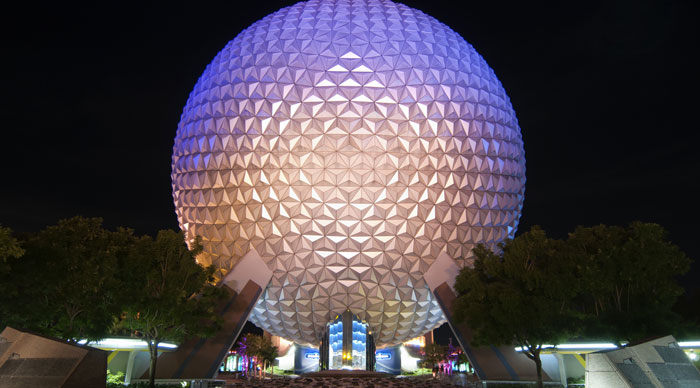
{"points": [[522, 295], [9, 246], [268, 354], [260, 349], [433, 354], [253, 346], [176, 299], [688, 307], [66, 284], [629, 278], [9, 249]]}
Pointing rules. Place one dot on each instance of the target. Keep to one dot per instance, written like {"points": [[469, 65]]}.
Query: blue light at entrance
{"points": [[347, 344]]}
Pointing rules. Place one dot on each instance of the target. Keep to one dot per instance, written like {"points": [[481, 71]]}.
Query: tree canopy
{"points": [[522, 295], [629, 279], [259, 348], [175, 298], [433, 354], [67, 284], [77, 280], [603, 282], [9, 246]]}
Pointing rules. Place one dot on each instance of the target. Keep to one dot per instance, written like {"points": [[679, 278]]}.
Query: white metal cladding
{"points": [[348, 143]]}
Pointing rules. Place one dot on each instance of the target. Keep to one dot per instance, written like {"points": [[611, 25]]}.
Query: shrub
{"points": [[115, 380]]}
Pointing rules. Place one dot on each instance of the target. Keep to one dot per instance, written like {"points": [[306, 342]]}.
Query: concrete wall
{"points": [[658, 363], [31, 360]]}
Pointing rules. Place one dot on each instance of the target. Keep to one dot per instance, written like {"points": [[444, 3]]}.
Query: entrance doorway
{"points": [[347, 344]]}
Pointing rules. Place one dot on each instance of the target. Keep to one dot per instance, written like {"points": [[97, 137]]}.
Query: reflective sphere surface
{"points": [[349, 143]]}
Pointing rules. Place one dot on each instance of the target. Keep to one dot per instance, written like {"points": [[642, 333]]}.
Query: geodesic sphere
{"points": [[349, 143]]}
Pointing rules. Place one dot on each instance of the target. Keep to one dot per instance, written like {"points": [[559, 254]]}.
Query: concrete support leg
{"points": [[201, 358], [130, 366], [562, 368], [489, 362]]}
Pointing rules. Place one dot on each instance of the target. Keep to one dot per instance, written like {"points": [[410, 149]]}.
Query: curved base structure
{"points": [[201, 358]]}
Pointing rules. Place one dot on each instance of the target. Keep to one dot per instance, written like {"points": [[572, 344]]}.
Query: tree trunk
{"points": [[153, 350], [538, 364]]}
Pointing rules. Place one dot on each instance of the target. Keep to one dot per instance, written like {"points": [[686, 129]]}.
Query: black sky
{"points": [[606, 94]]}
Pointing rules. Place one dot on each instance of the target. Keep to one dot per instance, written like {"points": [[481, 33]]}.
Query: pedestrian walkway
{"points": [[347, 382]]}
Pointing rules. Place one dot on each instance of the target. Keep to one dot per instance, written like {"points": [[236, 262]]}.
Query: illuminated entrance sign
{"points": [[383, 356]]}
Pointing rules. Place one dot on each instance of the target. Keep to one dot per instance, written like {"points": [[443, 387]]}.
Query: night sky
{"points": [[606, 95]]}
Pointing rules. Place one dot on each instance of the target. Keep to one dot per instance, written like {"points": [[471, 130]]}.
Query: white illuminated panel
{"points": [[124, 344], [589, 347]]}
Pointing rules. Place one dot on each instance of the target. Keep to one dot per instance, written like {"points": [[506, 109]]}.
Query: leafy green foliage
{"points": [[261, 348], [522, 295], [175, 298], [433, 354], [418, 372], [77, 279], [115, 380], [9, 246], [629, 278], [603, 282], [67, 284]]}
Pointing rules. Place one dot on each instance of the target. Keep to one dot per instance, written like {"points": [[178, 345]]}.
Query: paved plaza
{"points": [[352, 382]]}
